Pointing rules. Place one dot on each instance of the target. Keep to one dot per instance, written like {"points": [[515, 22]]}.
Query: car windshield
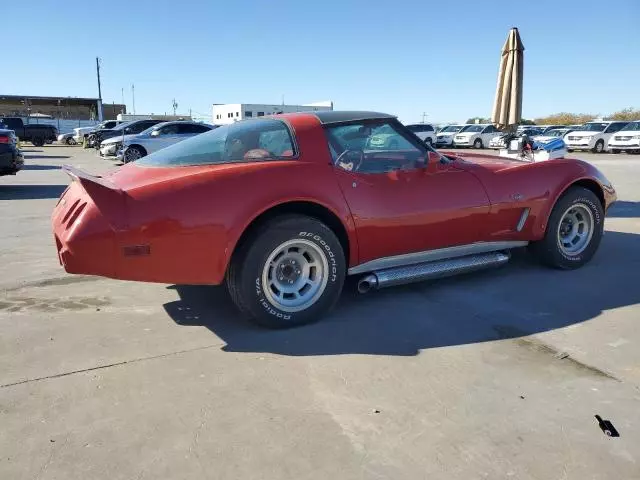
{"points": [[151, 129], [594, 127], [472, 128], [555, 133], [632, 127], [122, 126], [246, 141], [451, 129]]}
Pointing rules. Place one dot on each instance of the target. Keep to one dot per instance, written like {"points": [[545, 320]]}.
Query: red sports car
{"points": [[282, 208]]}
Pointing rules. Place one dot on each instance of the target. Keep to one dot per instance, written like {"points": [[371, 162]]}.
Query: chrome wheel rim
{"points": [[295, 275], [575, 229], [132, 154]]}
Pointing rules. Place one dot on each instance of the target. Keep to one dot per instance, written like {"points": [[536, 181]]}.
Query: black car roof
{"points": [[338, 116]]}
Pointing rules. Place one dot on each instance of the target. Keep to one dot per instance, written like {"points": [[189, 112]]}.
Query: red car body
{"points": [[183, 224]]}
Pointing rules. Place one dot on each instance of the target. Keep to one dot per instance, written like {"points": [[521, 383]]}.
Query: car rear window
{"points": [[245, 141]]}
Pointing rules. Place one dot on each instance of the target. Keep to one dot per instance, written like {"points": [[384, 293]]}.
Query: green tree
{"points": [[565, 118], [628, 114], [479, 120]]}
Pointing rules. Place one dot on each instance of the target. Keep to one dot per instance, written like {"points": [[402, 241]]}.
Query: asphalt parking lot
{"points": [[493, 375]]}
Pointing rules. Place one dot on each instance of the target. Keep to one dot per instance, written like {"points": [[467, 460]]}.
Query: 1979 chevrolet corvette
{"points": [[282, 208]]}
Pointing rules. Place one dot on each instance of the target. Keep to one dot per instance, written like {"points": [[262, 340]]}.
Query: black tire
{"points": [[38, 142], [570, 150], [70, 141], [244, 277], [133, 153], [615, 150], [477, 143], [599, 147], [548, 249]]}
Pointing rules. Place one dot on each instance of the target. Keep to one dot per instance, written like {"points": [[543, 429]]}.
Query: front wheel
{"points": [[289, 273], [477, 144], [574, 230], [599, 147], [134, 153]]}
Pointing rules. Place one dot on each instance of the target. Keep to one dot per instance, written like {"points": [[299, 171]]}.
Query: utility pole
{"points": [[122, 95], [424, 117], [133, 98], [175, 106], [100, 109]]}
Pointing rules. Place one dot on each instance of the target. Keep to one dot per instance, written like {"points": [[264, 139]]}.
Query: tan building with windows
{"points": [[58, 107]]}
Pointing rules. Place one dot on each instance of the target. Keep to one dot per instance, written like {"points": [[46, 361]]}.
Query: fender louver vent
{"points": [[76, 211]]}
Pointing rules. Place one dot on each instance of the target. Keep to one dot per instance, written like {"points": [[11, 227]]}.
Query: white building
{"points": [[234, 112]]}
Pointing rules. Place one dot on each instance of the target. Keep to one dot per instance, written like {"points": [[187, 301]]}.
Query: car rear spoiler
{"points": [[106, 195]]}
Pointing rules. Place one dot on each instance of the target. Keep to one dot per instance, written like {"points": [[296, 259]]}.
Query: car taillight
{"points": [[4, 139]]}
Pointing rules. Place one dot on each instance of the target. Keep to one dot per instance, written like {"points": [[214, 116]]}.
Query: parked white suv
{"points": [[476, 135], [444, 138], [626, 140], [593, 136], [424, 132]]}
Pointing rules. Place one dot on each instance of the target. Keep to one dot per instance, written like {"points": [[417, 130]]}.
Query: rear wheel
{"points": [[38, 142], [615, 150], [477, 143], [574, 230], [289, 273]]}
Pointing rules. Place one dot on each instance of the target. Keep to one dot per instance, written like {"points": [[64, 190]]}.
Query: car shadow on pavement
{"points": [[40, 167], [520, 299], [30, 192], [31, 157], [624, 209]]}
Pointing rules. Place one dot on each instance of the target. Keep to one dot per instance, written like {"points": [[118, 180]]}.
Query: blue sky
{"points": [[402, 57]]}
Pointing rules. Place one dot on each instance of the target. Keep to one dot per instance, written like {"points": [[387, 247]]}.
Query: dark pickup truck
{"points": [[36, 134]]}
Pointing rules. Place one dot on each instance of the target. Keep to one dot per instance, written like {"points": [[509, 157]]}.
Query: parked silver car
{"points": [[158, 137]]}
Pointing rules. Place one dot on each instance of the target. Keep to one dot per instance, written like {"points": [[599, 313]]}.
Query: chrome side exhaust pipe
{"points": [[365, 284], [431, 270]]}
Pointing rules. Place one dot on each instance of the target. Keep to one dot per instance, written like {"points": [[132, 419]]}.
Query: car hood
{"points": [[583, 133], [446, 134], [117, 139], [466, 134], [627, 133]]}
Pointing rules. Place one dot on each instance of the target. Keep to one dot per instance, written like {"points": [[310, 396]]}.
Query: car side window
{"points": [[373, 148], [169, 130], [199, 128], [188, 128]]}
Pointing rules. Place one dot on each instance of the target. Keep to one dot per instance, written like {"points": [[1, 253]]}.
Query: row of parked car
{"points": [[596, 136], [129, 141]]}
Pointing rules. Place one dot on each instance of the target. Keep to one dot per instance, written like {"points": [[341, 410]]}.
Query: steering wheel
{"points": [[351, 167]]}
